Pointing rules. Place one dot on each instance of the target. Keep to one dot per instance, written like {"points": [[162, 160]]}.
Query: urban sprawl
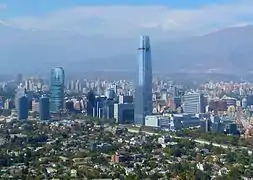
{"points": [[148, 128]]}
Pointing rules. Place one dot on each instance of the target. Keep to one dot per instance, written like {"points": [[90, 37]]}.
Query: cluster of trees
{"points": [[240, 157], [183, 147], [219, 138], [237, 173], [181, 171], [89, 119]]}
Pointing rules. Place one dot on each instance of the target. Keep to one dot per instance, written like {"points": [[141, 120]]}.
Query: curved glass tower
{"points": [[57, 89], [143, 85]]}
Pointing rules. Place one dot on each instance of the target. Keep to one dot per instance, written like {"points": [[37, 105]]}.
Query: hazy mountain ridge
{"points": [[228, 50], [37, 51]]}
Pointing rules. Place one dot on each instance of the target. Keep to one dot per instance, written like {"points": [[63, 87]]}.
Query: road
{"points": [[195, 140]]}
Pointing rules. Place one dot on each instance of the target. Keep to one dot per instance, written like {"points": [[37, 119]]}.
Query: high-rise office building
{"points": [[110, 93], [124, 113], [108, 109], [100, 102], [22, 108], [57, 89], [125, 99], [91, 103], [143, 86], [69, 106], [9, 104], [20, 91], [44, 108], [193, 103]]}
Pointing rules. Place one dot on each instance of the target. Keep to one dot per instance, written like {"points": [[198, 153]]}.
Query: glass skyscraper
{"points": [[143, 84], [91, 103], [44, 106], [23, 107], [57, 89]]}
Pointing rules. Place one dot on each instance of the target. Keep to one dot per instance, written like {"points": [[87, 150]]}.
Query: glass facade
{"points": [[57, 89], [44, 106], [143, 86], [23, 108], [193, 103], [91, 103]]}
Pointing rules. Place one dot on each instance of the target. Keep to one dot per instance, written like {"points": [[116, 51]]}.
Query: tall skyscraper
{"points": [[44, 107], [57, 89], [99, 105], [143, 86], [91, 103], [23, 108]]}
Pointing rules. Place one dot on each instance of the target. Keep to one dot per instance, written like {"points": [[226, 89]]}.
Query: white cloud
{"points": [[133, 20]]}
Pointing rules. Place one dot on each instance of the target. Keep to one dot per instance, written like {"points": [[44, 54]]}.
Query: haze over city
{"points": [[186, 36], [129, 90]]}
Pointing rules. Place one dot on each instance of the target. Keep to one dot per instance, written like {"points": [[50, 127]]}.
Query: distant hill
{"points": [[225, 51], [228, 50]]}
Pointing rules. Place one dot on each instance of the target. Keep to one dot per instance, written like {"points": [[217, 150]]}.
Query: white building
{"points": [[157, 121]]}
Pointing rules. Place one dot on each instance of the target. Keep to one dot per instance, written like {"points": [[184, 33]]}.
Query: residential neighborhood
{"points": [[85, 149]]}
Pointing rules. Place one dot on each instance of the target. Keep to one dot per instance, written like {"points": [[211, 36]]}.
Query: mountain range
{"points": [[225, 51]]}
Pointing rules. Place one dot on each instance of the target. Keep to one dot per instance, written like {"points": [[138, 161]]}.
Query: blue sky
{"points": [[38, 7], [126, 17], [66, 30]]}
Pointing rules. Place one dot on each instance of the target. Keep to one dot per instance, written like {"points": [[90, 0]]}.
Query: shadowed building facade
{"points": [[57, 89], [23, 107], [44, 106], [143, 86], [91, 103]]}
